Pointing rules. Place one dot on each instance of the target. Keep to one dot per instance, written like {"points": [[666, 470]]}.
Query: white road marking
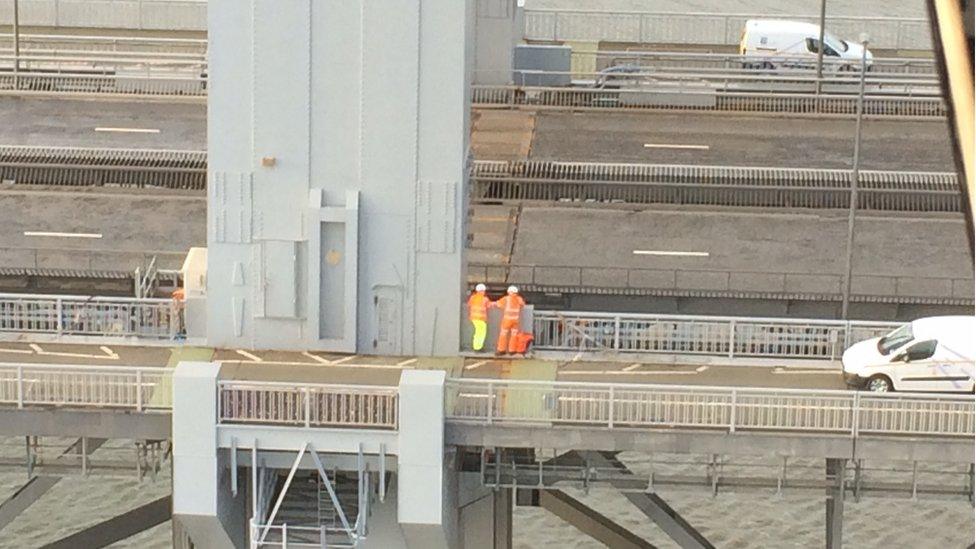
{"points": [[109, 353], [249, 356], [128, 130], [675, 146], [788, 371], [316, 358], [62, 235], [18, 351], [343, 359], [406, 362], [626, 372], [633, 367], [672, 253], [474, 365]]}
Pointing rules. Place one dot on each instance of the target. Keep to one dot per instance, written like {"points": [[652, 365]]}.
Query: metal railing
{"points": [[137, 83], [886, 66], [724, 29], [308, 405], [711, 185], [684, 99], [724, 409], [285, 536], [164, 15], [78, 166], [56, 44], [130, 388], [89, 316], [701, 335], [722, 283]]}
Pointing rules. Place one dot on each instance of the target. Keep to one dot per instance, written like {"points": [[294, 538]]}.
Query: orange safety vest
{"points": [[512, 306], [478, 306]]}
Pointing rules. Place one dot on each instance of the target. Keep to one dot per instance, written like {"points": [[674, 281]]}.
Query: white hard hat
{"points": [[512, 290], [480, 288]]}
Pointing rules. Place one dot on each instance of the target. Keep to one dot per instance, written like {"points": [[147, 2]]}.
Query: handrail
{"points": [[723, 409], [140, 389]]}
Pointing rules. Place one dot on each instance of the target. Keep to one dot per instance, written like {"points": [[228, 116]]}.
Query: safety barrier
{"points": [[596, 182], [684, 99], [130, 388], [705, 335], [723, 409], [285, 536], [309, 405], [89, 316], [708, 28], [177, 84], [75, 166], [885, 66], [68, 44], [602, 280]]}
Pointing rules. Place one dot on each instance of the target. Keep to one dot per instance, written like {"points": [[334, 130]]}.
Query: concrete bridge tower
{"points": [[338, 150]]}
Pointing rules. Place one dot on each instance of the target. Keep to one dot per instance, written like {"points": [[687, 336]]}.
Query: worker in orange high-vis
{"points": [[478, 305], [511, 306]]}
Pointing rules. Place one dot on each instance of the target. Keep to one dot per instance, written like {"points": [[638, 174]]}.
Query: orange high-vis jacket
{"points": [[512, 305], [478, 306]]}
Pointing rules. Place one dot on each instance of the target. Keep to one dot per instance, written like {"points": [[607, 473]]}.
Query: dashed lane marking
{"points": [[343, 359], [406, 362], [787, 371], [474, 365], [626, 372], [109, 354]]}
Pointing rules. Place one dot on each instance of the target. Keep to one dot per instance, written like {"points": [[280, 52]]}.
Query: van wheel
{"points": [[879, 384]]}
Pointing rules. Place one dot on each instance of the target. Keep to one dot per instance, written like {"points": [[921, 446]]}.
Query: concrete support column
{"points": [[202, 504], [427, 506], [502, 502], [836, 469]]}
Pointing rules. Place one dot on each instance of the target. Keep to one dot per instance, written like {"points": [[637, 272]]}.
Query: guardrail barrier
{"points": [[89, 316], [309, 405], [724, 409], [705, 335], [131, 388]]}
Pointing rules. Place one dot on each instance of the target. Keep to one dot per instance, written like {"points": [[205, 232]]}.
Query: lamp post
{"points": [[820, 47], [16, 44], [855, 173]]}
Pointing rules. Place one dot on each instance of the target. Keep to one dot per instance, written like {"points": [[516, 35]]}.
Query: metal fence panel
{"points": [[133, 388], [728, 409], [88, 316], [309, 405]]}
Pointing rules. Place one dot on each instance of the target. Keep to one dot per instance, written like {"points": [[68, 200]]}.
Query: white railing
{"points": [[703, 100], [308, 405], [131, 388], [89, 316], [725, 409], [284, 536], [701, 335], [719, 29]]}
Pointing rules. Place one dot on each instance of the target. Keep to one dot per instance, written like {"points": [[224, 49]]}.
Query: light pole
{"points": [[855, 173], [820, 47], [16, 44]]}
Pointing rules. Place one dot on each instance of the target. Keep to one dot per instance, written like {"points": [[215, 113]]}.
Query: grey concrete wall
{"points": [[338, 148]]}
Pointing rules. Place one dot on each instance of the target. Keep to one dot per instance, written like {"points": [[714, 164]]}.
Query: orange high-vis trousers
{"points": [[508, 336]]}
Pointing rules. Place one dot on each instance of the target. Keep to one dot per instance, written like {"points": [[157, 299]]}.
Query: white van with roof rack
{"points": [[928, 354], [772, 43]]}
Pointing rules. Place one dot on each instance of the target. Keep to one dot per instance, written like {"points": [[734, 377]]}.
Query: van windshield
{"points": [[895, 339], [834, 42]]}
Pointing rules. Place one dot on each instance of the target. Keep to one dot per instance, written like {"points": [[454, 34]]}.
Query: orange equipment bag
{"points": [[522, 342]]}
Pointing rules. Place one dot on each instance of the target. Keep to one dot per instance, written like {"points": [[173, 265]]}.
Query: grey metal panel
{"points": [[530, 57], [84, 423]]}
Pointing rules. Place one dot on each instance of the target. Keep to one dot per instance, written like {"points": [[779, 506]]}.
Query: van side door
{"points": [[914, 368]]}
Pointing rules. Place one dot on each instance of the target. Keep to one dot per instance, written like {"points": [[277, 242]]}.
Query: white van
{"points": [[929, 354], [792, 44]]}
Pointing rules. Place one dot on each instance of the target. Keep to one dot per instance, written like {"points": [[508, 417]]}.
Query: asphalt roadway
{"points": [[321, 367], [724, 140], [604, 137]]}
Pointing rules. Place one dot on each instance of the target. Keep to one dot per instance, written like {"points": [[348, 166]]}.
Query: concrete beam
{"points": [[835, 503], [119, 527], [84, 423], [24, 498], [589, 522]]}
